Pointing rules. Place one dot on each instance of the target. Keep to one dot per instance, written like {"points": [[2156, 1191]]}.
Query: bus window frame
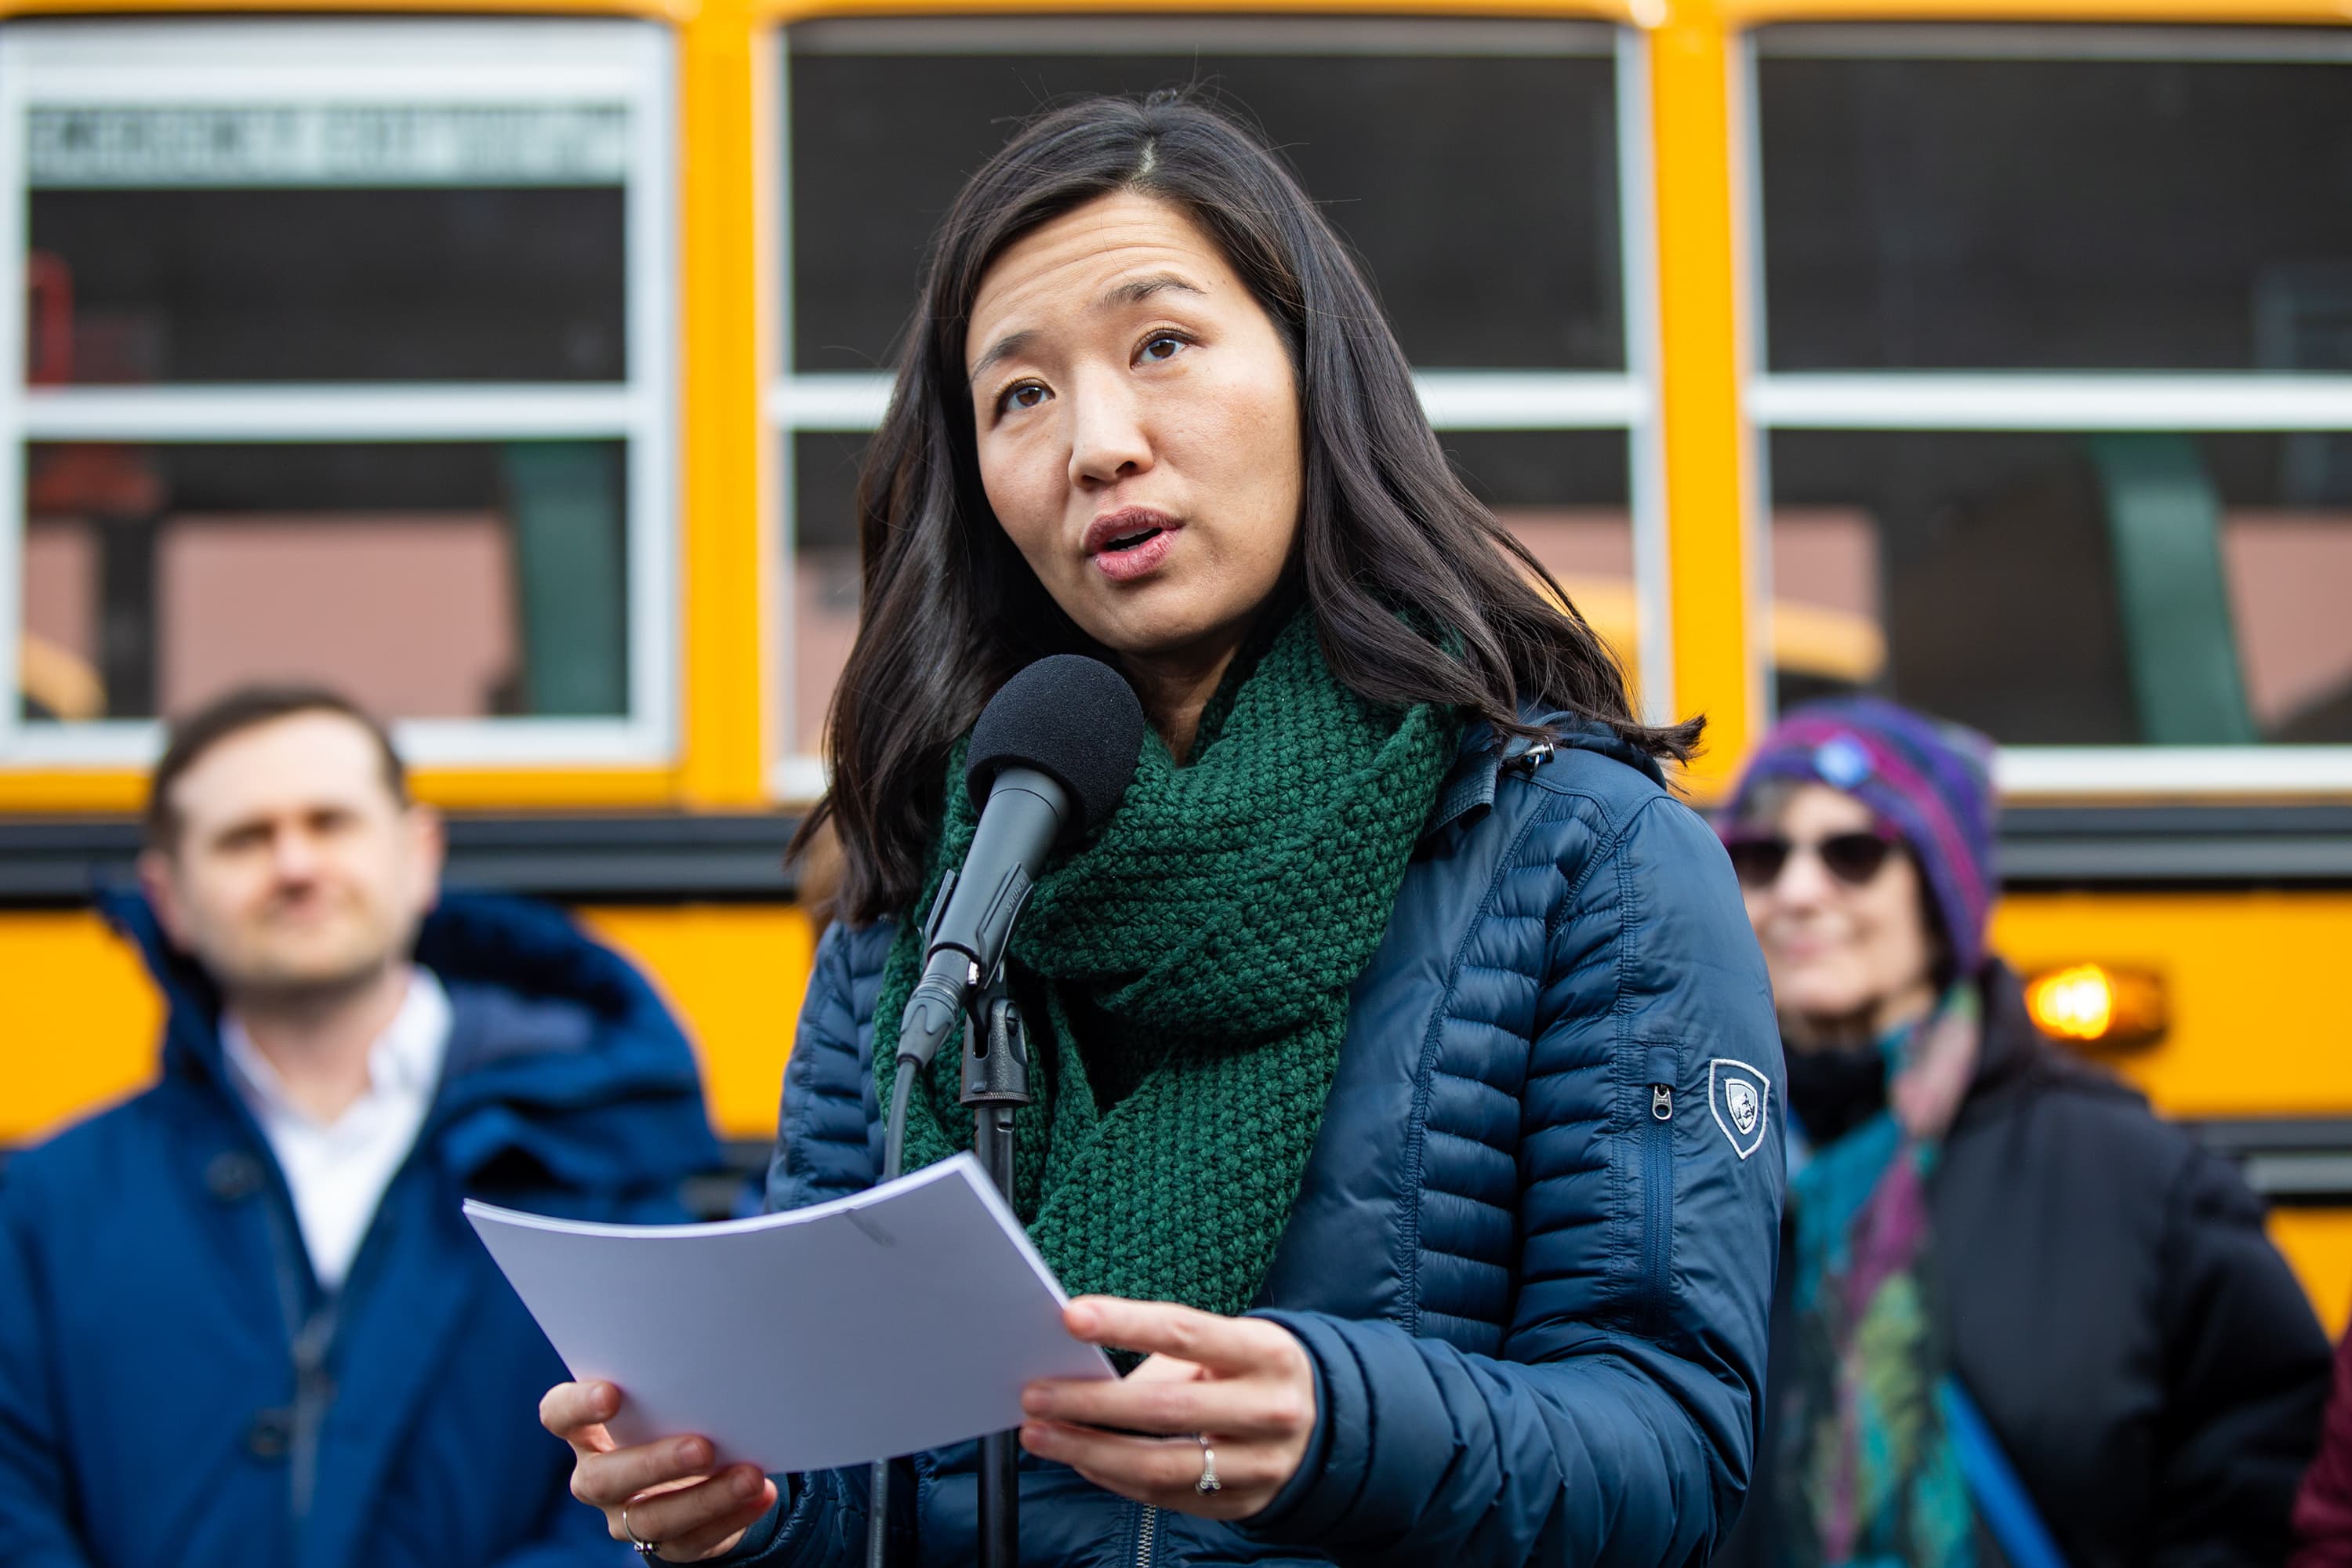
{"points": [[156, 57], [2071, 401], [851, 403]]}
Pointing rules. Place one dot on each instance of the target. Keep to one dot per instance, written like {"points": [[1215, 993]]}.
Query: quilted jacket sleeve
{"points": [[827, 1135], [1617, 1424]]}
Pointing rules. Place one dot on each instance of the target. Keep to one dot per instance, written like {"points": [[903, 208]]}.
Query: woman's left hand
{"points": [[1242, 1385]]}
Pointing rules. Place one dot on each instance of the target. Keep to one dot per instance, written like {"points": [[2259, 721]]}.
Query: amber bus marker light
{"points": [[2093, 1004]]}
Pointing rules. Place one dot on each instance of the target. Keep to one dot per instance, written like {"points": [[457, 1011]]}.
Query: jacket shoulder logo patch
{"points": [[1741, 1099]]}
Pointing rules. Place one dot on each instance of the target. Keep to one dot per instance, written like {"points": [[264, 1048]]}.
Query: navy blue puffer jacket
{"points": [[1532, 1255]]}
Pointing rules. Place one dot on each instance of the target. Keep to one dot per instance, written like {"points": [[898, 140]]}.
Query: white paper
{"points": [[885, 1323]]}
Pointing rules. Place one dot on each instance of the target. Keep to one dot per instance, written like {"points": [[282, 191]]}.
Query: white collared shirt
{"points": [[337, 1172]]}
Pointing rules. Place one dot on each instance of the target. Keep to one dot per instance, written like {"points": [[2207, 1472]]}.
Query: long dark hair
{"points": [[1417, 593]]}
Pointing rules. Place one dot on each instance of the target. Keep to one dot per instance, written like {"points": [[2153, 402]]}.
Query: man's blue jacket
{"points": [[1532, 1257], [176, 1392]]}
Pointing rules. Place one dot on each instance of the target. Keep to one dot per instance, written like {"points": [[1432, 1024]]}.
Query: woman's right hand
{"points": [[661, 1492]]}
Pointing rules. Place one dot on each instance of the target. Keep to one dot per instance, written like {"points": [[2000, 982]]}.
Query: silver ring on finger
{"points": [[648, 1550], [1208, 1482]]}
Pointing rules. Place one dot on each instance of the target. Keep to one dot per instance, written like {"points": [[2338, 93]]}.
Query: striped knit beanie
{"points": [[1928, 780]]}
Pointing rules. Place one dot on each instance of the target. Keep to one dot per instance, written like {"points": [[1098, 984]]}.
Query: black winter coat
{"points": [[2139, 1348]]}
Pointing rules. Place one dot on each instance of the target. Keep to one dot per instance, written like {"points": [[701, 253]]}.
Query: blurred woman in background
{"points": [[2019, 1318]]}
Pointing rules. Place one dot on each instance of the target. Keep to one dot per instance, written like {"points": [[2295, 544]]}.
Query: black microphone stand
{"points": [[1051, 756], [996, 1083]]}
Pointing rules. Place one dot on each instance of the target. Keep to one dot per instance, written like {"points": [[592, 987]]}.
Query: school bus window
{"points": [[2103, 588], [1565, 495], [167, 574], [2057, 393], [346, 357], [825, 574], [2056, 199], [1474, 165], [1477, 178], [292, 241]]}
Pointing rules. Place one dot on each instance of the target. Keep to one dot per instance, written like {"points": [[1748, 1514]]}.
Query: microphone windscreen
{"points": [[1071, 718]]}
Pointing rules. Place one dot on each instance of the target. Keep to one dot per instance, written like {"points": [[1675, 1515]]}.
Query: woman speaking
{"points": [[1406, 1067]]}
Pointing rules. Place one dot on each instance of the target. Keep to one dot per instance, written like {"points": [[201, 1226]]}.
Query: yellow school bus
{"points": [[509, 370]]}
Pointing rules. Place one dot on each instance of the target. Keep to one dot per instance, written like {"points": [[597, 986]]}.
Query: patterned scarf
{"points": [[1185, 978], [1868, 1471]]}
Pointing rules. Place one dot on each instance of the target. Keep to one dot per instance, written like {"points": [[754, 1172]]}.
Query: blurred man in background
{"points": [[242, 1320]]}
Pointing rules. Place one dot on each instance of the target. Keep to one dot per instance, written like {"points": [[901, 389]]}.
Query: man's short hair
{"points": [[235, 712]]}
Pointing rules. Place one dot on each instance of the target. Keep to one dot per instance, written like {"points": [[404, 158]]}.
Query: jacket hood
{"points": [[1570, 731], [558, 1046], [1480, 759]]}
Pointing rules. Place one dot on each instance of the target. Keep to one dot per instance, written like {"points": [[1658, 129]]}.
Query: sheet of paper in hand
{"points": [[881, 1324]]}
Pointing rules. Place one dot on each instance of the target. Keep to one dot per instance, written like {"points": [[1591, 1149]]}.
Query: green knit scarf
{"points": [[1195, 957]]}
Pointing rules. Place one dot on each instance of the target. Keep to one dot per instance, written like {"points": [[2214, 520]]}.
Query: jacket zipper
{"points": [[1658, 1180], [1145, 1529]]}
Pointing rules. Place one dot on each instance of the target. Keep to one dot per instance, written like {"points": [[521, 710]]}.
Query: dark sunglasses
{"points": [[1853, 859]]}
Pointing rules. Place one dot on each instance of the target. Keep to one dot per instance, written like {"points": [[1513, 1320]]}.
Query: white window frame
{"points": [[2185, 404], [371, 60], [1520, 401]]}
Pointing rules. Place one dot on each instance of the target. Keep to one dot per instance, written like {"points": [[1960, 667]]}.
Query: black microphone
{"points": [[1051, 756]]}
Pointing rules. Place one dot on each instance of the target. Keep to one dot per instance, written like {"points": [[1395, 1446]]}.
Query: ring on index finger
{"points": [[1208, 1482]]}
